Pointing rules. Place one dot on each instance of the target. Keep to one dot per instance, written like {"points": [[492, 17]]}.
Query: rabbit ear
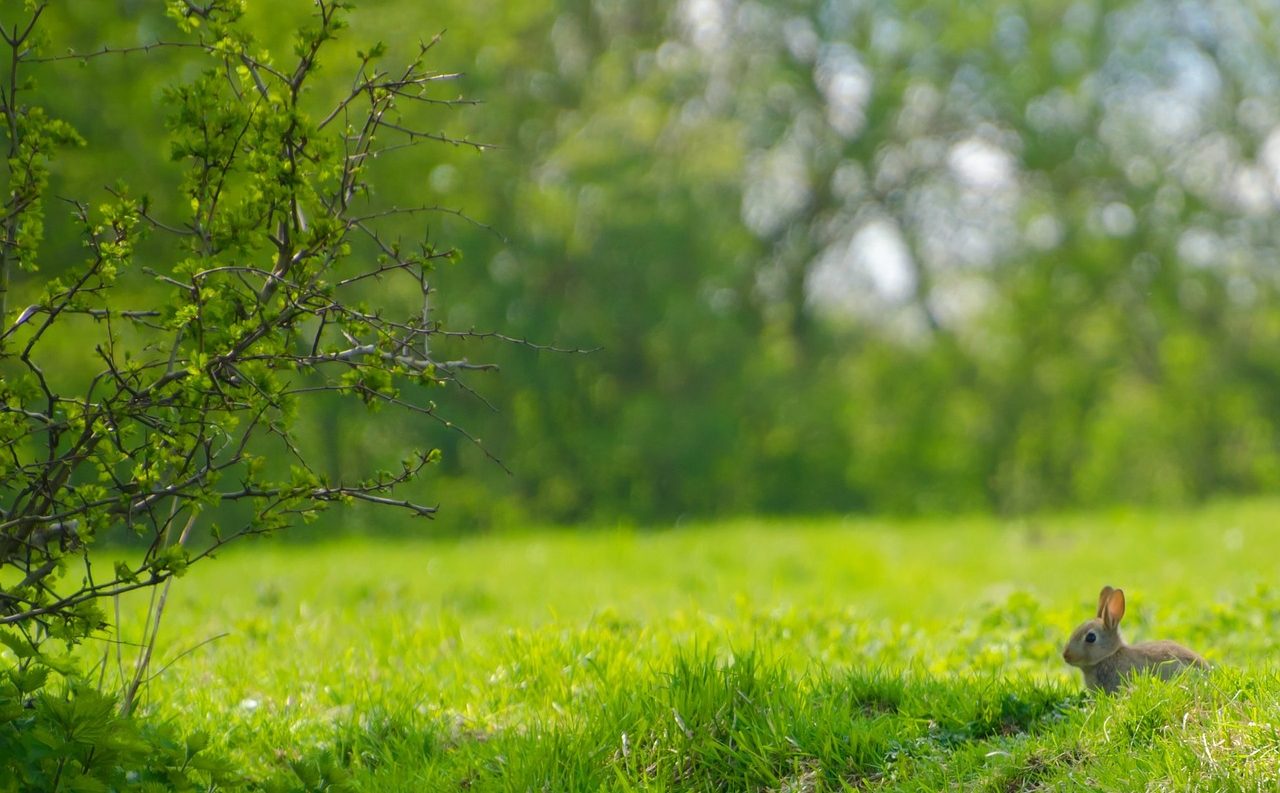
{"points": [[1115, 609], [1103, 597]]}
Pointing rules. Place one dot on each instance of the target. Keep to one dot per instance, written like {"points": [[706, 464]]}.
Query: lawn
{"points": [[778, 655]]}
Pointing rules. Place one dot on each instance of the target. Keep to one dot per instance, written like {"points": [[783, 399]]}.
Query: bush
{"points": [[156, 388]]}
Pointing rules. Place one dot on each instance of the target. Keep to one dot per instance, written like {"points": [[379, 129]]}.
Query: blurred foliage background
{"points": [[911, 256]]}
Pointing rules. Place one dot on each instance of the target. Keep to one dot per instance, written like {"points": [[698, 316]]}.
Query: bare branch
{"points": [[108, 50]]}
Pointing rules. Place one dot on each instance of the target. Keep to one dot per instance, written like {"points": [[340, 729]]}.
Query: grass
{"points": [[755, 655]]}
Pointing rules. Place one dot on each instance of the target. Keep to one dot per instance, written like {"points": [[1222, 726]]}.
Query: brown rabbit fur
{"points": [[1105, 660]]}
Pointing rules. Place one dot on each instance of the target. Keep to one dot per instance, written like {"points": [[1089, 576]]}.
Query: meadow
{"points": [[770, 655]]}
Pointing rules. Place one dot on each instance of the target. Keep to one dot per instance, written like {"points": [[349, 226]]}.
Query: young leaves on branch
{"points": [[255, 284]]}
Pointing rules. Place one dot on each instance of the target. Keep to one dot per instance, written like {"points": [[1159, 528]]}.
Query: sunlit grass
{"points": [[770, 655]]}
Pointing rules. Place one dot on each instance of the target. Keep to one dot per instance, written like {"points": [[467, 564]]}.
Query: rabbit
{"points": [[1105, 660]]}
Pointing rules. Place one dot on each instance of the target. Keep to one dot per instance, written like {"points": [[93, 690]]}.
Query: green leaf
{"points": [[125, 573], [196, 742], [87, 784], [30, 679], [20, 646]]}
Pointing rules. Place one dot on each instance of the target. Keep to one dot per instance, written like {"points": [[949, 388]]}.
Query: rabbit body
{"points": [[1164, 657], [1104, 659]]}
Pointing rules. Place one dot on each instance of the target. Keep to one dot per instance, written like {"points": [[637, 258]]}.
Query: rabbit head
{"points": [[1099, 638]]}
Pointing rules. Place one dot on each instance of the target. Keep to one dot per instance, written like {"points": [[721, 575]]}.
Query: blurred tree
{"points": [[889, 256], [904, 256]]}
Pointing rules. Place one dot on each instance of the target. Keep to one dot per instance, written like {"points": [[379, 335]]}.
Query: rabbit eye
{"points": [[1091, 637]]}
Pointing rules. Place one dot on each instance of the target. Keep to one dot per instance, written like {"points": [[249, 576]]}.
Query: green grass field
{"points": [[774, 656]]}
